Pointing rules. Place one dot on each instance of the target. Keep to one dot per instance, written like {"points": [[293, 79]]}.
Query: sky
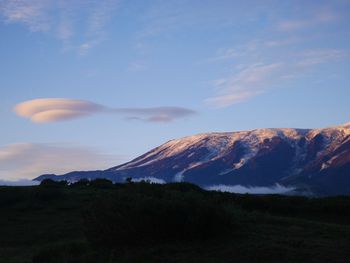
{"points": [[92, 84]]}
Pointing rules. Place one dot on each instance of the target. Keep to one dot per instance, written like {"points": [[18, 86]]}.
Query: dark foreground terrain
{"points": [[102, 222]]}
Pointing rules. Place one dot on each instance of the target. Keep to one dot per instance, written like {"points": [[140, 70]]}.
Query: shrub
{"points": [[184, 187], [50, 190], [81, 182], [129, 218], [52, 183], [101, 183], [72, 252]]}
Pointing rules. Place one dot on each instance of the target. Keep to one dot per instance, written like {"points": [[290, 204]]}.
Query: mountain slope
{"points": [[315, 159]]}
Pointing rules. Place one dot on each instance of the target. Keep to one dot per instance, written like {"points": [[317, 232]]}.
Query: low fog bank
{"points": [[20, 182], [150, 179], [240, 189]]}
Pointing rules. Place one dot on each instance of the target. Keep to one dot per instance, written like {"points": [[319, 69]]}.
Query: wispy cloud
{"points": [[257, 78], [286, 48], [27, 160], [58, 109], [156, 114], [226, 54], [84, 48], [314, 57], [137, 66], [80, 25], [33, 14], [245, 84], [323, 16], [100, 14]]}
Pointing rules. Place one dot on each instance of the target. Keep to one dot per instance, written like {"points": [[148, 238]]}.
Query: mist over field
{"points": [[275, 189]]}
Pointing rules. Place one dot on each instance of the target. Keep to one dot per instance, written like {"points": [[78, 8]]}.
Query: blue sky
{"points": [[91, 84]]}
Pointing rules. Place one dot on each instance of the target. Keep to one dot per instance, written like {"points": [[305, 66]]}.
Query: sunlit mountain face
{"points": [[309, 161]]}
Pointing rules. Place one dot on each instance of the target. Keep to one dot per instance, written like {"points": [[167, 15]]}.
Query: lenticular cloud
{"points": [[51, 110], [56, 109]]}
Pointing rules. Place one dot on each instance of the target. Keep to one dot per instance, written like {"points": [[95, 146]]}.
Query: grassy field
{"points": [[168, 223]]}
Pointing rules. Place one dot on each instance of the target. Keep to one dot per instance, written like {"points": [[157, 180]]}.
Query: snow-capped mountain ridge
{"points": [[317, 158], [218, 143]]}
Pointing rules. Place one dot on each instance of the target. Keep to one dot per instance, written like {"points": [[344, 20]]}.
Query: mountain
{"points": [[308, 160]]}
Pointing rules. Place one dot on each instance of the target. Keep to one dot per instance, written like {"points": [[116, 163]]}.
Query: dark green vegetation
{"points": [[103, 222]]}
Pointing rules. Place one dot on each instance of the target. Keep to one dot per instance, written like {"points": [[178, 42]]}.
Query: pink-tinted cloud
{"points": [[28, 160], [59, 109], [245, 84], [255, 79], [54, 109], [319, 56], [33, 13], [156, 114], [59, 18]]}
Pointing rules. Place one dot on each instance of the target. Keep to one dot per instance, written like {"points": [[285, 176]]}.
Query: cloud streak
{"points": [[248, 83], [80, 25], [30, 13], [256, 78], [315, 57], [59, 109], [323, 16], [287, 47]]}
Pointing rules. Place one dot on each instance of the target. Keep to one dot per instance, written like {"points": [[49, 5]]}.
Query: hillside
{"points": [[167, 223]]}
